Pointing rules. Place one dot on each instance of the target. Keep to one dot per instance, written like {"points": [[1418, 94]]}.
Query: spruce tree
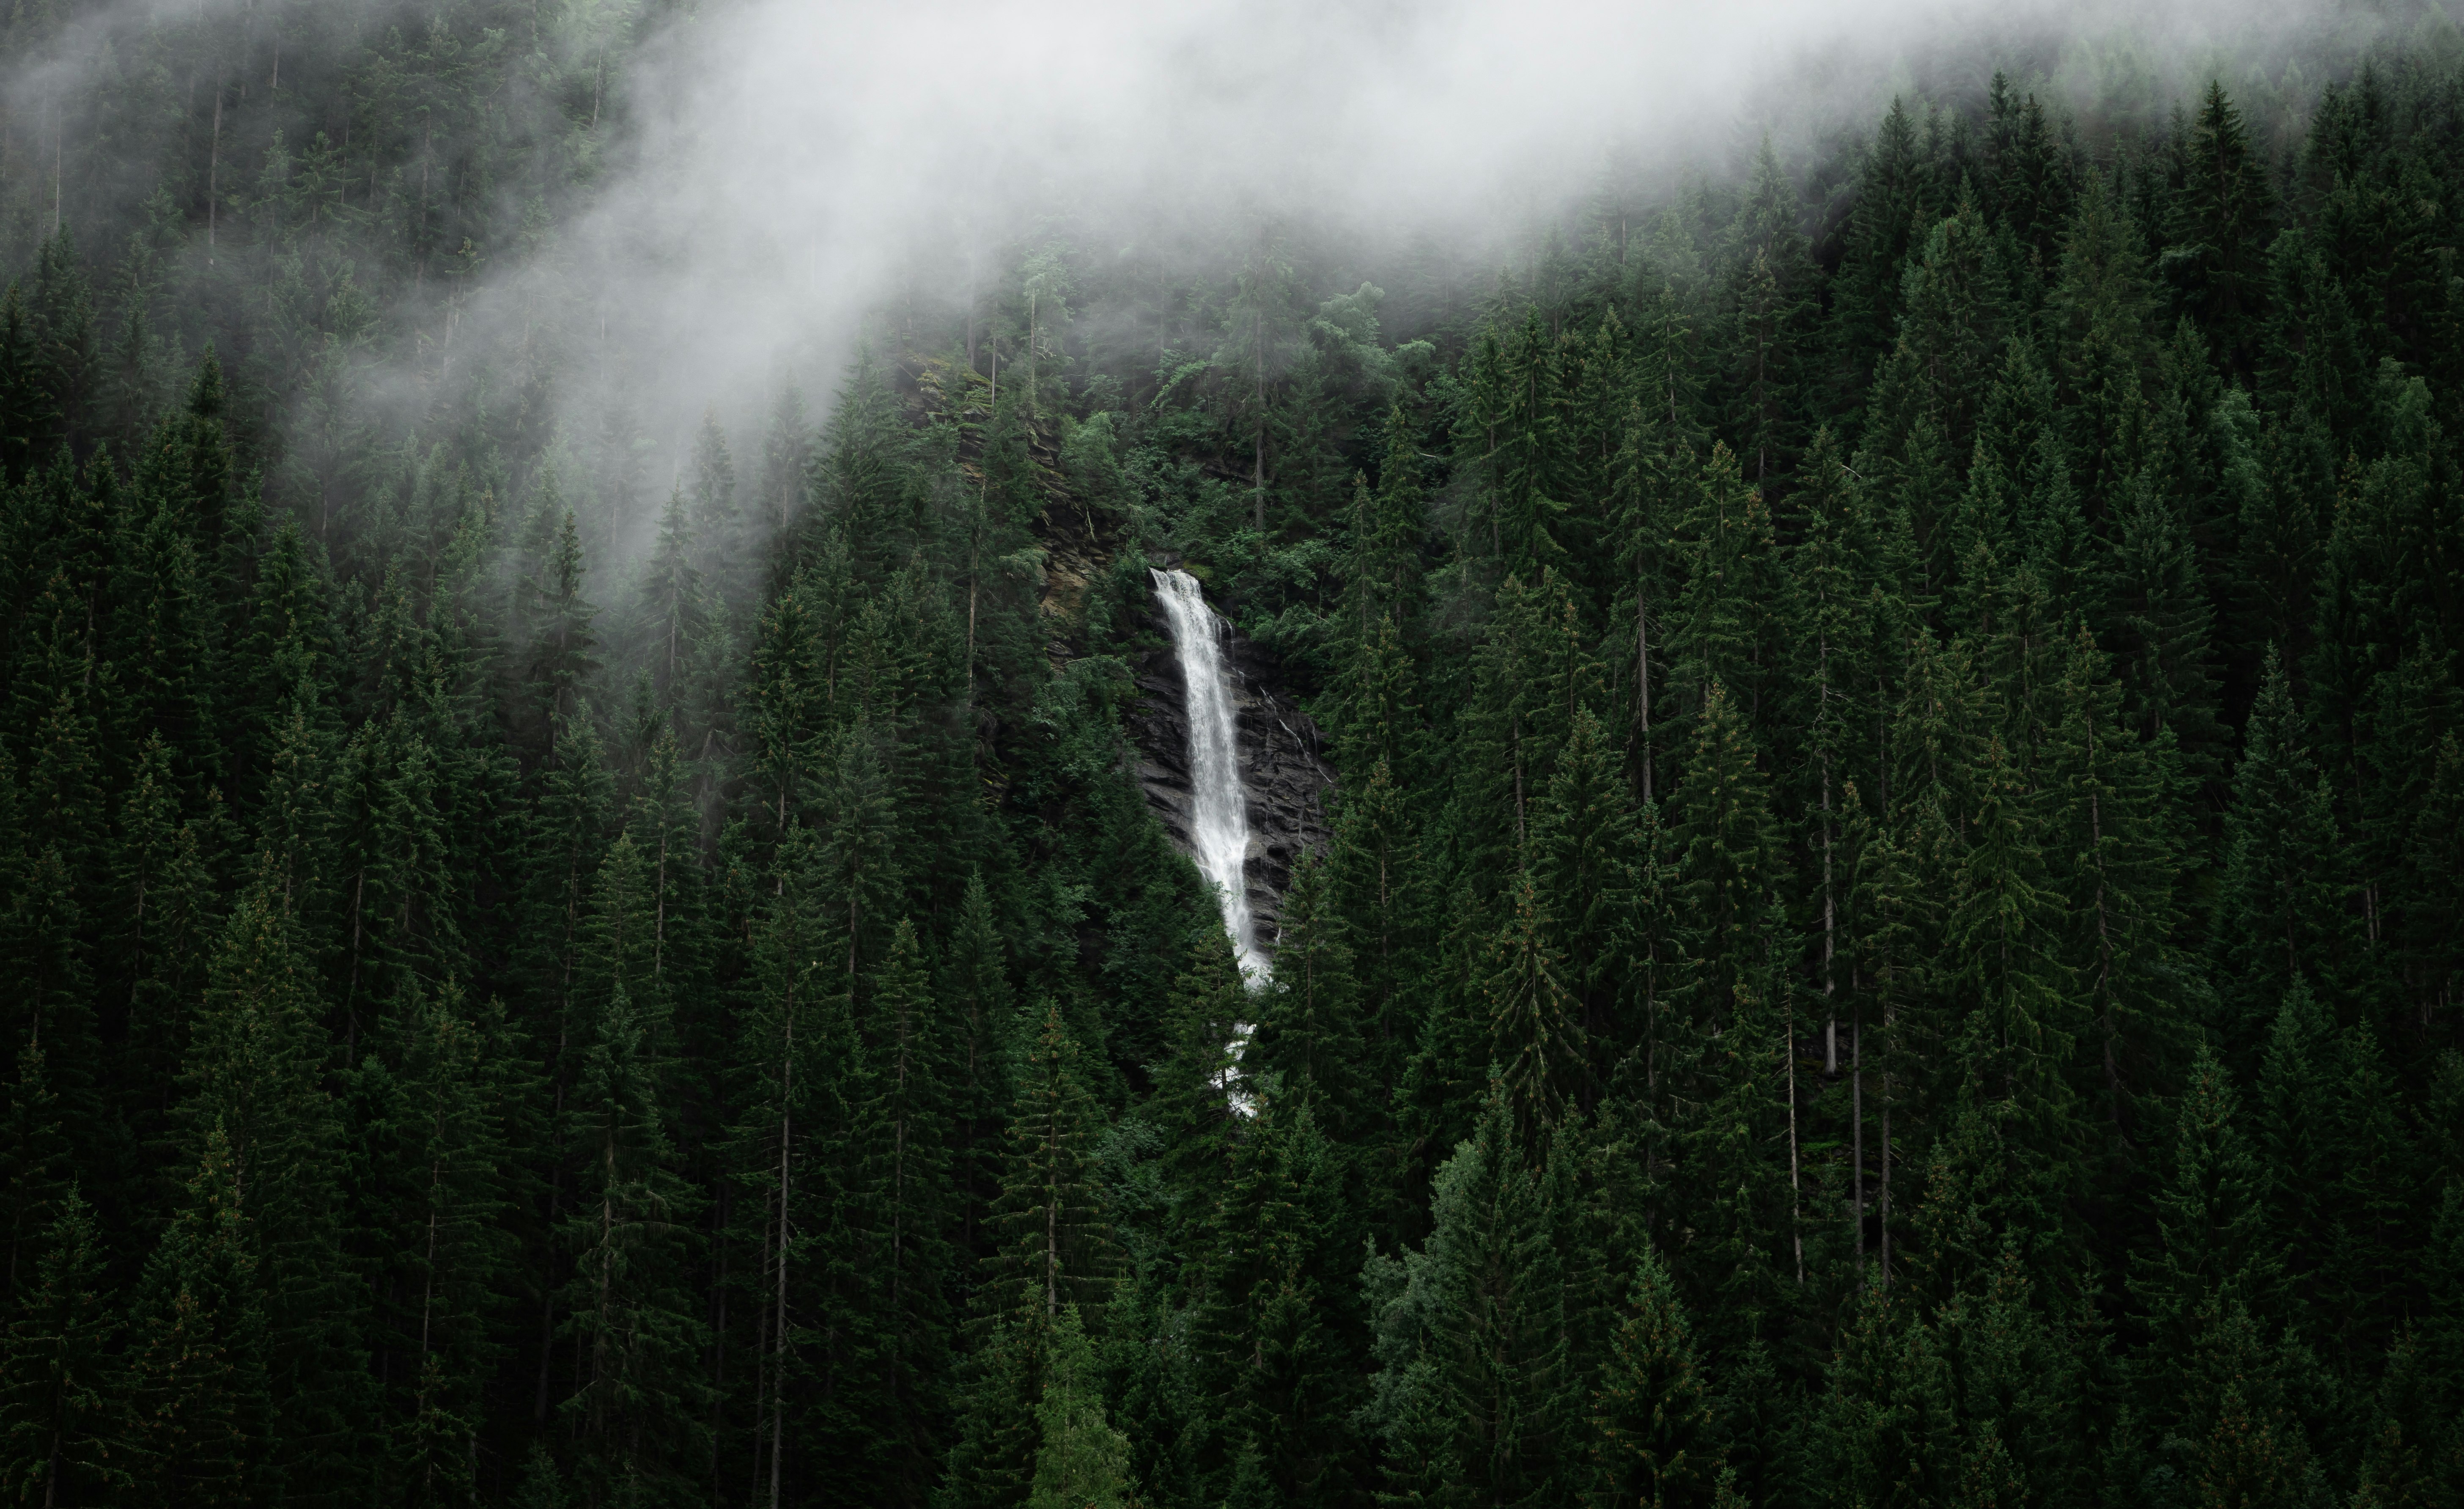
{"points": [[1825, 679], [448, 1249], [1280, 1338], [976, 996], [257, 1108], [1471, 1400], [2020, 1009], [1535, 1022], [1727, 853], [632, 1323], [35, 1161], [2213, 1259], [1723, 632], [1082, 1462], [1375, 879], [198, 1350], [1583, 842], [2219, 228], [1053, 1255], [1309, 1027], [2280, 914], [2115, 851], [2160, 611], [1655, 1438], [65, 1433], [1055, 1246], [907, 1166]]}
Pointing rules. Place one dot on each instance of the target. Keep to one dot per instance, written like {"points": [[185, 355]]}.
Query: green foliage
{"points": [[63, 1416], [1084, 1462], [1655, 1437], [1871, 912]]}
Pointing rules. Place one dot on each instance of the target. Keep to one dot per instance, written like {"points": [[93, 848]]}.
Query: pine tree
{"points": [[1279, 1340], [1723, 632], [1894, 920], [1055, 1244], [34, 1161], [1583, 840], [2369, 1162], [2021, 1016], [1309, 1027], [1651, 466], [1655, 1440], [2218, 228], [1728, 852], [1825, 674], [2279, 909], [2162, 611], [161, 631], [198, 1350], [2031, 180], [2291, 1136], [1376, 881], [1736, 1171], [63, 1419], [1527, 679], [557, 620], [907, 1168], [1377, 704], [1953, 318], [1535, 1023], [2105, 348], [26, 414], [256, 1108], [1471, 1400], [1054, 1256], [450, 1251], [673, 603], [1894, 200], [974, 992], [394, 865], [632, 1323], [2114, 853], [1084, 1462], [716, 521], [167, 899], [798, 1076], [2212, 1214]]}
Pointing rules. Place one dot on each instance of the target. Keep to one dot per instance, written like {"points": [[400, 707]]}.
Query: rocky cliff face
{"points": [[1283, 767], [1280, 766]]}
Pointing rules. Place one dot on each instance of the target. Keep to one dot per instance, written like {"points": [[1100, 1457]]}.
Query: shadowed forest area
{"points": [[1893, 932]]}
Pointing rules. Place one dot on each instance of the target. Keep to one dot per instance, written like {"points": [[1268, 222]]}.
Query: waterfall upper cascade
{"points": [[1219, 827]]}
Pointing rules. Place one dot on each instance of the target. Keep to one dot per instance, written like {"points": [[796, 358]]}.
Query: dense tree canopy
{"points": [[1892, 932]]}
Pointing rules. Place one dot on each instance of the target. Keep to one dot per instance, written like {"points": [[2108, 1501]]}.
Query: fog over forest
{"points": [[1242, 754]]}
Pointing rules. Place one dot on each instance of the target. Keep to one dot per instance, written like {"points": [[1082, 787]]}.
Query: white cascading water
{"points": [[1219, 819]]}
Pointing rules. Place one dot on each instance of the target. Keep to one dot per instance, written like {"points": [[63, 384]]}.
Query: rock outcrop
{"points": [[1283, 769]]}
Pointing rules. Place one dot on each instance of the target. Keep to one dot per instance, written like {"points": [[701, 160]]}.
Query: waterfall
{"points": [[1218, 819]]}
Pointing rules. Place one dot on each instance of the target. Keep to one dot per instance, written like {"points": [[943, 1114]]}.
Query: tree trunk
{"points": [[1257, 464], [1795, 1225], [762, 1352], [1830, 1028], [1857, 1134], [1642, 680], [1883, 1235], [214, 167], [779, 1338]]}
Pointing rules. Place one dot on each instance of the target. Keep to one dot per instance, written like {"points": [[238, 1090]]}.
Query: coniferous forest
{"points": [[1889, 924]]}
